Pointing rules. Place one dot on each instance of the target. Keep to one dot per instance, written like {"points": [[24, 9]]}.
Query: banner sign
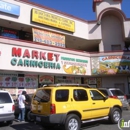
{"points": [[43, 17], [9, 8], [67, 79], [43, 61], [12, 80], [48, 37], [46, 79], [111, 65]]}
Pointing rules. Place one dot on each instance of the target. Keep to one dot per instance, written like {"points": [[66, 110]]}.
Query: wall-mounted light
{"points": [[99, 22]]}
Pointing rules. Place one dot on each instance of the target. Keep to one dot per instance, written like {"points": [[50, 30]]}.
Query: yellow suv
{"points": [[70, 105]]}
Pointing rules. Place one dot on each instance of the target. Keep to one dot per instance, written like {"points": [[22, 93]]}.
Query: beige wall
{"points": [[105, 4], [112, 32]]}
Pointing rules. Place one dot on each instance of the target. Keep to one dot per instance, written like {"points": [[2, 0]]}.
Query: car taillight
{"points": [[113, 97], [125, 97], [13, 107], [53, 109]]}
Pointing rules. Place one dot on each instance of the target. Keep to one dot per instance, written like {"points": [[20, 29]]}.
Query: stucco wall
{"points": [[106, 4], [112, 32], [127, 29], [94, 31]]}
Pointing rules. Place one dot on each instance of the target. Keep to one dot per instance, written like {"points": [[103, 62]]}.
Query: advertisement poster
{"points": [[49, 19], [46, 79], [67, 79], [93, 82], [48, 37], [43, 61], [111, 65], [12, 80]]}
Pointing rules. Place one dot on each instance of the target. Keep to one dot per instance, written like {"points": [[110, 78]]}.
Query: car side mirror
{"points": [[105, 98]]}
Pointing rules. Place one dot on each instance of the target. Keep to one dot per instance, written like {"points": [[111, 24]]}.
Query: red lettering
{"points": [[57, 56], [26, 54], [42, 55], [50, 56], [16, 52], [34, 54]]}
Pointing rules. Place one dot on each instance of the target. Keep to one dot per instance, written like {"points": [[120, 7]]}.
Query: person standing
{"points": [[21, 104], [27, 106]]}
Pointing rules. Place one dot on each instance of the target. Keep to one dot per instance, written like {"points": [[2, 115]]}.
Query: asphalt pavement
{"points": [[100, 125]]}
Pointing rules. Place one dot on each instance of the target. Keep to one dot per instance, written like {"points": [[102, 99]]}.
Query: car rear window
{"points": [[104, 92], [117, 92], [5, 98], [42, 95], [62, 95]]}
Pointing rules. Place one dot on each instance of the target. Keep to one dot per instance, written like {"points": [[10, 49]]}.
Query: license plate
{"points": [[38, 119]]}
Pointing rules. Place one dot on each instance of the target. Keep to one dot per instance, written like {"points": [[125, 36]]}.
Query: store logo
{"points": [[9, 8], [122, 124]]}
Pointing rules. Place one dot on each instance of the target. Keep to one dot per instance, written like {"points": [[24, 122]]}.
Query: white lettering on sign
{"points": [[5, 6]]}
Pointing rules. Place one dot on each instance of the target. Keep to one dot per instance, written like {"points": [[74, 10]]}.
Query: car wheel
{"points": [[9, 122], [115, 115], [72, 122], [29, 118]]}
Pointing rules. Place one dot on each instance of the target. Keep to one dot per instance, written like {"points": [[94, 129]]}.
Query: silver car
{"points": [[116, 93]]}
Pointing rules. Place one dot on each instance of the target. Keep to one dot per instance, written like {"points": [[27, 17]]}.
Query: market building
{"points": [[39, 45]]}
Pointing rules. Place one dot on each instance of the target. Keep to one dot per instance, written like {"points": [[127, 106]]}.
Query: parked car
{"points": [[116, 93], [128, 98], [70, 105], [6, 108]]}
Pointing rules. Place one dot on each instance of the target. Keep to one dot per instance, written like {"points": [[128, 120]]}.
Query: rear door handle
{"points": [[94, 103], [1, 106]]}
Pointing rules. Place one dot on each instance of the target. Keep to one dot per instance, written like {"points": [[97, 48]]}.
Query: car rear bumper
{"points": [[50, 119], [125, 104], [7, 117]]}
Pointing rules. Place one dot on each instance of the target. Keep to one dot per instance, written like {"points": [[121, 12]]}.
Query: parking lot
{"points": [[101, 125]]}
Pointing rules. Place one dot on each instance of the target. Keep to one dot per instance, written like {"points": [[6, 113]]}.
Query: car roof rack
{"points": [[64, 84]]}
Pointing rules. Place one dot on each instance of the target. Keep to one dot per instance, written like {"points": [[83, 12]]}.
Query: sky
{"points": [[79, 8]]}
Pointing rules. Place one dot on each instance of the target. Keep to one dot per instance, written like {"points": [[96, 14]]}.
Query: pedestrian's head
{"points": [[24, 92]]}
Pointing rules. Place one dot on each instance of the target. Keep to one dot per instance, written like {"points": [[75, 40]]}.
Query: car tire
{"points": [[115, 115], [72, 122], [29, 118], [9, 122]]}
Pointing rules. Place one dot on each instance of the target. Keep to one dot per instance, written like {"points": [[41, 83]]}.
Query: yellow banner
{"points": [[48, 37], [52, 20]]}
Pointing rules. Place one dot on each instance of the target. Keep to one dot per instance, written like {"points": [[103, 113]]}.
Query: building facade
{"points": [[39, 45]]}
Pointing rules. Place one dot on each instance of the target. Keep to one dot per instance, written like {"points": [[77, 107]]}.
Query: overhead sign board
{"points": [[49, 19], [9, 8]]}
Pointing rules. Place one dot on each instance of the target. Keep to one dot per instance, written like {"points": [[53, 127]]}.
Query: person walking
{"points": [[21, 104]]}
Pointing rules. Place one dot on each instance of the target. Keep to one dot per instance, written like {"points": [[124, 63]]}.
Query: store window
{"points": [[12, 33], [7, 32], [25, 35]]}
